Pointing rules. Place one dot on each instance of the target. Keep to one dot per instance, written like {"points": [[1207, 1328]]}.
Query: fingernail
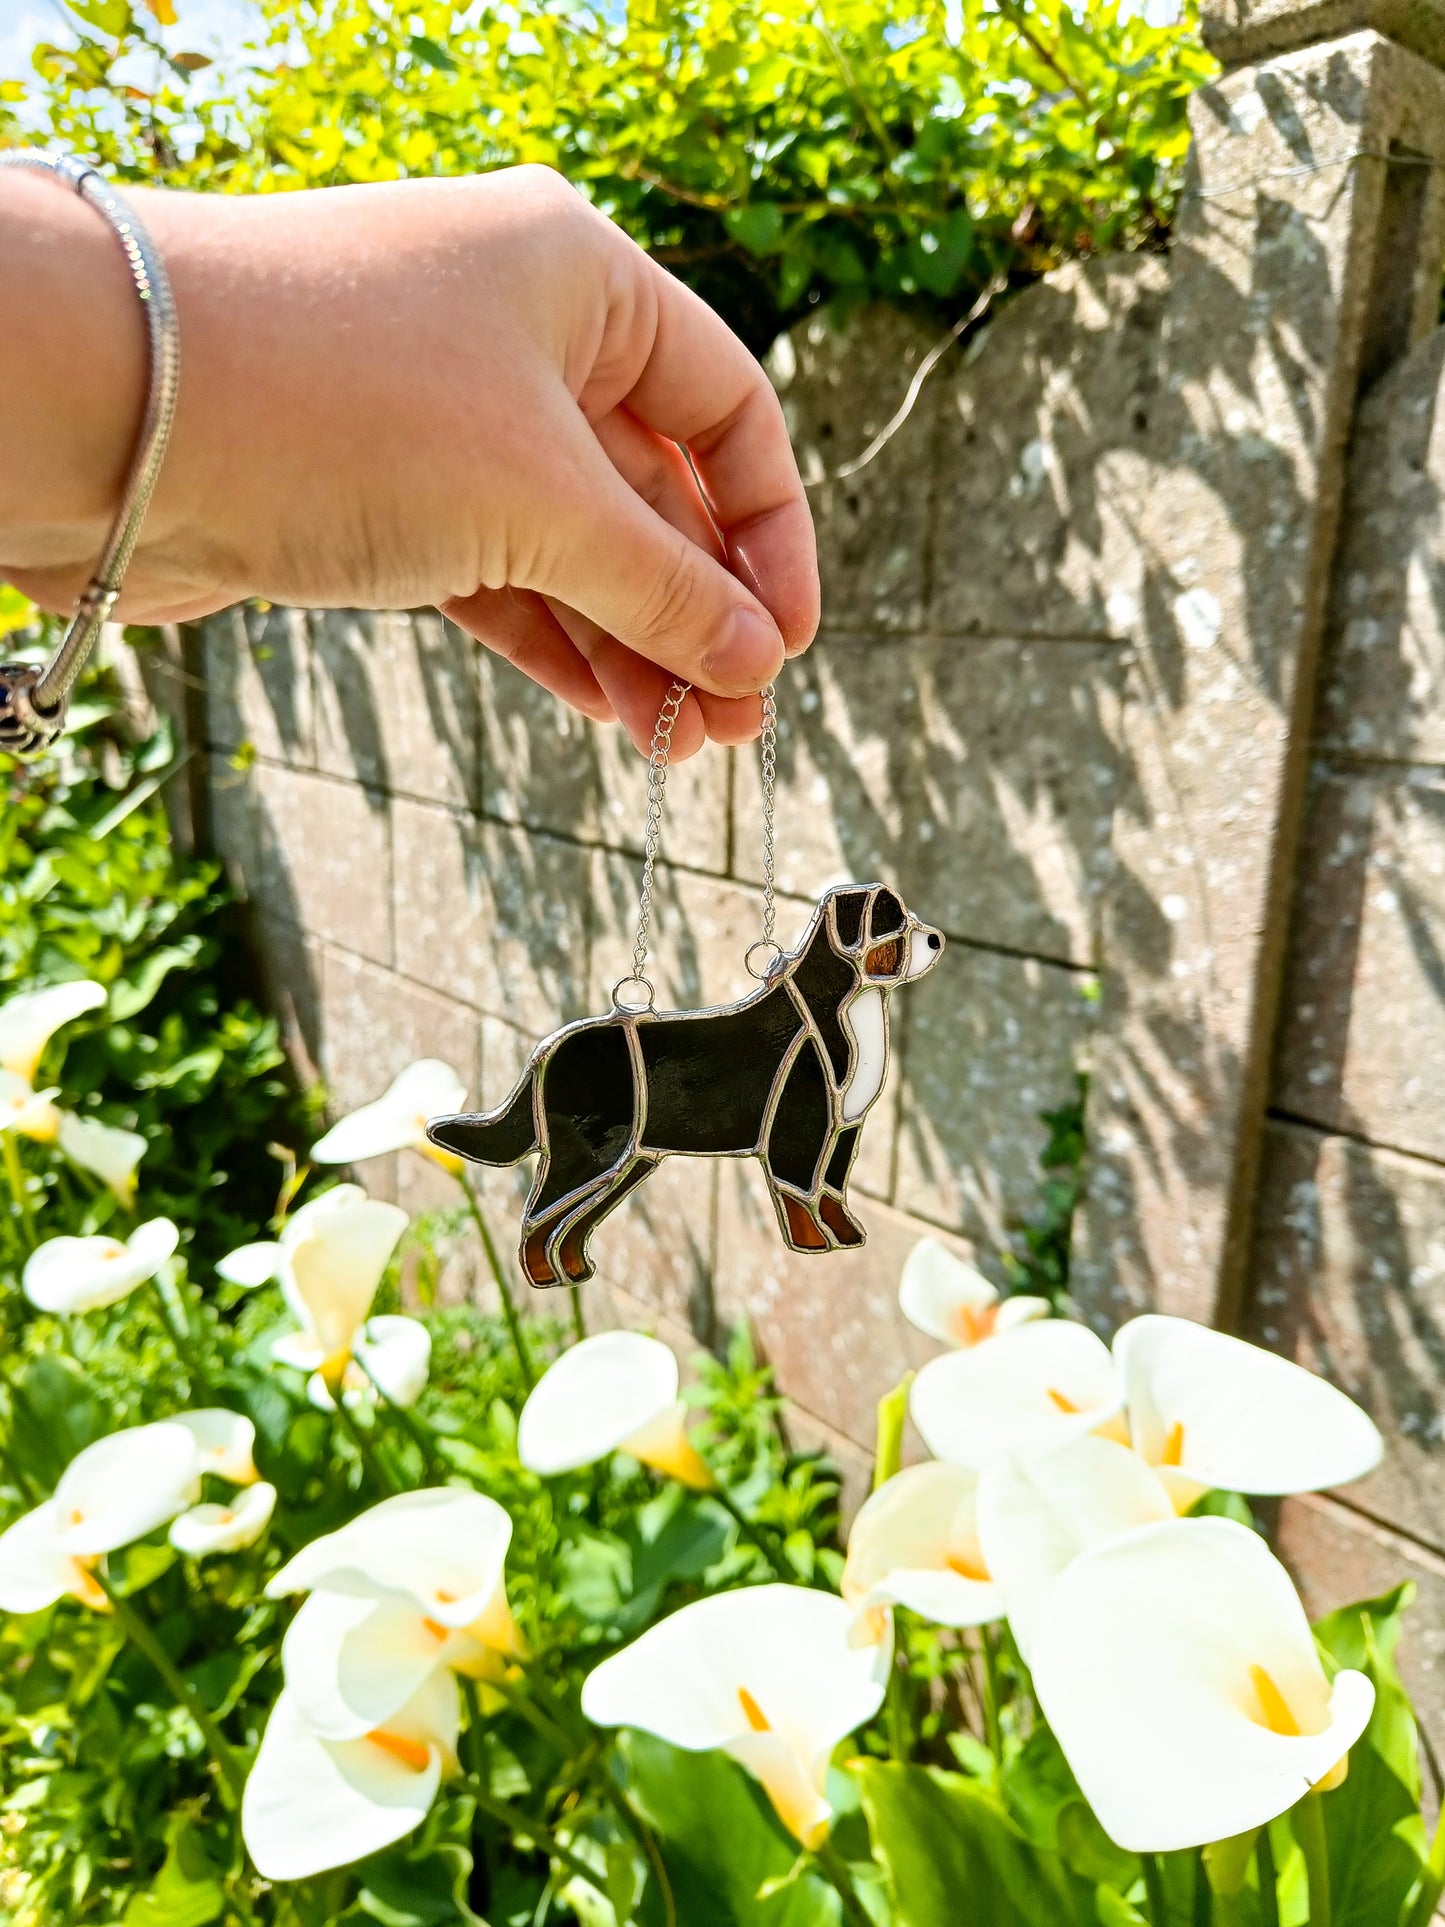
{"points": [[748, 654]]}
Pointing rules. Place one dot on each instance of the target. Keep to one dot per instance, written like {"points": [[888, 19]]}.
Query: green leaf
{"points": [[720, 1840], [417, 1888], [186, 1891], [942, 1838], [1042, 1796], [1373, 1823], [756, 226], [131, 993], [110, 16], [432, 53], [56, 1414]]}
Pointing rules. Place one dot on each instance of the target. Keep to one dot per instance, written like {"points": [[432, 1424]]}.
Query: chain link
{"points": [[657, 767]]}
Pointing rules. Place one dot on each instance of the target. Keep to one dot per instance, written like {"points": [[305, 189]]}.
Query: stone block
{"points": [[830, 1326], [1382, 690], [396, 702], [988, 1042], [376, 1023], [978, 777], [234, 820], [291, 972], [1362, 1033], [1035, 532], [839, 388], [1348, 1278], [494, 916], [257, 663], [1236, 31], [324, 861], [1338, 1556]]}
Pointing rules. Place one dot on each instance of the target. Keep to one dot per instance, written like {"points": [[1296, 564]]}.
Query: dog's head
{"points": [[872, 926]]}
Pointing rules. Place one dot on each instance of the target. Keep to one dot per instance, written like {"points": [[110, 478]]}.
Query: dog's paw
{"points": [[845, 1228]]}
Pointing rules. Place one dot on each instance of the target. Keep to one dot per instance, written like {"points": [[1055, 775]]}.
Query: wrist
{"points": [[72, 382]]}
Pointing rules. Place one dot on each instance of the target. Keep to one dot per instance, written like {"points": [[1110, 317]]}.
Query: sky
{"points": [[204, 26]]}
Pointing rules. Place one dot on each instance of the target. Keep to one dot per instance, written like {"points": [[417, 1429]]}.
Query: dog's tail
{"points": [[491, 1137]]}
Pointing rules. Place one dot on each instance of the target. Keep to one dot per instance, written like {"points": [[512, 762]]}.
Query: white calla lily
{"points": [[26, 1111], [445, 1547], [29, 1021], [207, 1529], [769, 1675], [1037, 1514], [1176, 1667], [333, 1254], [616, 1392], [915, 1543], [112, 1493], [225, 1441], [1025, 1390], [953, 1301], [390, 1355], [84, 1274], [312, 1803], [105, 1150], [1213, 1411], [398, 1119], [251, 1265]]}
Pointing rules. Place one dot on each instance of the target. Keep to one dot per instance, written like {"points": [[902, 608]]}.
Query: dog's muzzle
{"points": [[925, 947]]}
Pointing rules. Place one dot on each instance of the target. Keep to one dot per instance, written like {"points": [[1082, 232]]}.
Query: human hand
{"points": [[472, 393]]}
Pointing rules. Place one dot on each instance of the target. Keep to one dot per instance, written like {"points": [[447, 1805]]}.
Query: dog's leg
{"points": [[567, 1245], [833, 1204]]}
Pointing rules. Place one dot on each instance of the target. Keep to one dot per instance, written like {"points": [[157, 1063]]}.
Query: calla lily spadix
{"points": [[224, 1440], [84, 1274], [390, 1354], [616, 1392], [416, 1582], [1212, 1411], [330, 1261], [105, 1150], [1177, 1669], [26, 1111], [212, 1528], [113, 1492], [29, 1021], [769, 1675], [398, 1119], [915, 1543], [312, 1803], [953, 1301], [1037, 1513], [1025, 1390]]}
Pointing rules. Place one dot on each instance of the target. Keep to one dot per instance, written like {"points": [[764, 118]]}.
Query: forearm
{"points": [[72, 377]]}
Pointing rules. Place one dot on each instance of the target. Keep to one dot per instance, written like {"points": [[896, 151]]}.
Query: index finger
{"points": [[701, 387]]}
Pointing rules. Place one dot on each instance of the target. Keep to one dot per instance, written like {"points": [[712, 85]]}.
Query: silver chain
{"points": [[657, 767]]}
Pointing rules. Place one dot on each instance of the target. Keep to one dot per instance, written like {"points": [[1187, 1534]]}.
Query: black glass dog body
{"points": [[787, 1076]]}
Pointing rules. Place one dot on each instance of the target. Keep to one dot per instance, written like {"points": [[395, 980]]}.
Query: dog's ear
{"points": [[886, 917], [847, 908]]}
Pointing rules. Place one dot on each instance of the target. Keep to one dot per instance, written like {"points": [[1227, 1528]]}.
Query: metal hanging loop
{"points": [[33, 698], [657, 766]]}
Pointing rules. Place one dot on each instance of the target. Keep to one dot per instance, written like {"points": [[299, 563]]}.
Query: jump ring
{"points": [[766, 971], [643, 983]]}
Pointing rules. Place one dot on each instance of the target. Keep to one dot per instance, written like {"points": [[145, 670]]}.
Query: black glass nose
{"points": [[935, 942]]}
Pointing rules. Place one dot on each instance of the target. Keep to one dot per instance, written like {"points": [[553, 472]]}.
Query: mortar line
{"points": [[1278, 1115]]}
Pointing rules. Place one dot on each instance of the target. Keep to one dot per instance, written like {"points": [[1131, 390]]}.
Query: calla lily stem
{"points": [[1269, 1880], [993, 1726], [15, 1173], [540, 1836], [752, 1532], [144, 1640], [180, 1342], [1154, 1888], [1309, 1830], [504, 1290], [370, 1459], [834, 1869], [417, 1429]]}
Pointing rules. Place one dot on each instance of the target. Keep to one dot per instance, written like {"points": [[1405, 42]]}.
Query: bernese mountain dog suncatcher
{"points": [[786, 1076]]}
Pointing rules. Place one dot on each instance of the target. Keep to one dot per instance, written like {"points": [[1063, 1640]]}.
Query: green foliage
{"points": [[774, 155], [1038, 1262], [91, 886]]}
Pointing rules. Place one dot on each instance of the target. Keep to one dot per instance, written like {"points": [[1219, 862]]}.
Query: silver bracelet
{"points": [[33, 699]]}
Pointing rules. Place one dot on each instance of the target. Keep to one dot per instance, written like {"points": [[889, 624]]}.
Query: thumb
{"points": [[614, 559]]}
